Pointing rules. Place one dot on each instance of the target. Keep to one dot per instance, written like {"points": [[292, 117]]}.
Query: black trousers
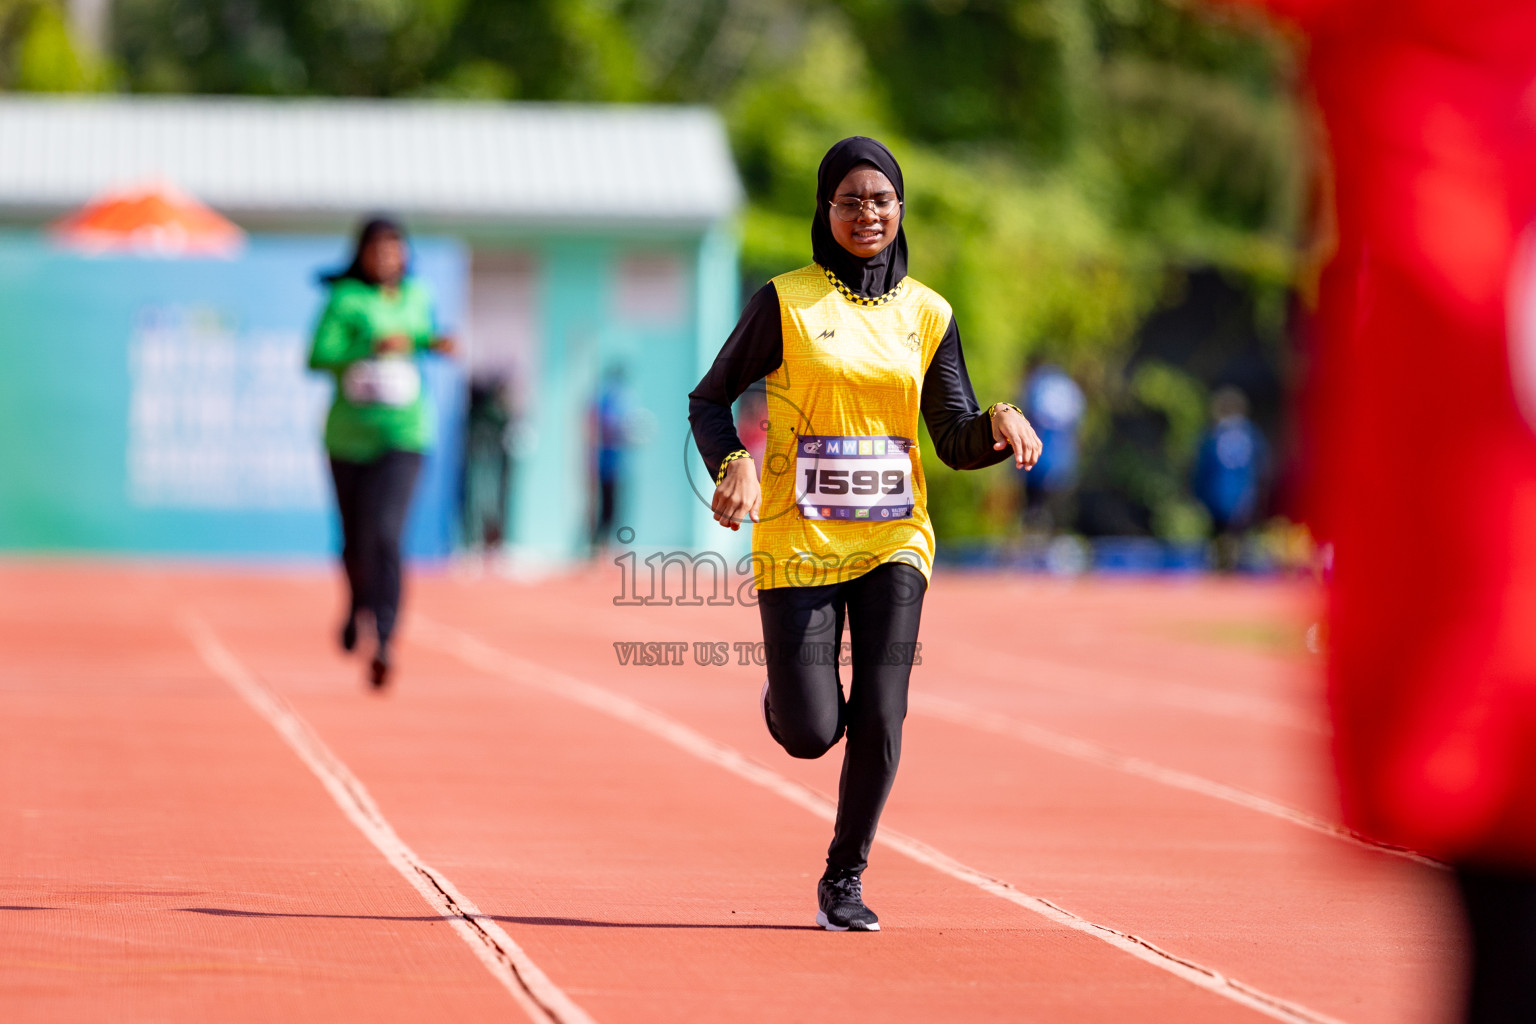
{"points": [[803, 632], [607, 508], [373, 498], [1501, 914]]}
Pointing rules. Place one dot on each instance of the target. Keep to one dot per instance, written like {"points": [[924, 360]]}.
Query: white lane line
{"points": [[541, 998], [1077, 680], [957, 713], [500, 663]]}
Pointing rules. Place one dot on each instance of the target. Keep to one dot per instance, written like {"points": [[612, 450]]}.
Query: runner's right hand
{"points": [[738, 497]]}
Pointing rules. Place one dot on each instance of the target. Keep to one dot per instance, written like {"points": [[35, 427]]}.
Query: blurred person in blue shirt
{"points": [[1229, 471], [1054, 403], [612, 421]]}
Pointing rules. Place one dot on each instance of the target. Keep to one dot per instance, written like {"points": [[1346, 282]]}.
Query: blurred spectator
{"points": [[612, 417], [487, 465], [1054, 403], [1229, 470]]}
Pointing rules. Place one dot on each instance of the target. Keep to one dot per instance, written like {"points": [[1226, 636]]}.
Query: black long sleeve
{"points": [[753, 351], [961, 431]]}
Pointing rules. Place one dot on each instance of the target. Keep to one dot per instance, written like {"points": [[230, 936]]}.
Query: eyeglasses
{"points": [[853, 209]]}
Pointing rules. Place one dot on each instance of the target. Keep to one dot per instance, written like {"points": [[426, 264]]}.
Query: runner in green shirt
{"points": [[376, 324]]}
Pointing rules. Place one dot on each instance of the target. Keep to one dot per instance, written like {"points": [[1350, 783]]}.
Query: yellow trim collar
{"points": [[859, 300]]}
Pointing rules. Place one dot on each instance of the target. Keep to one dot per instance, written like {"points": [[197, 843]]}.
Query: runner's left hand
{"points": [[1010, 428]]}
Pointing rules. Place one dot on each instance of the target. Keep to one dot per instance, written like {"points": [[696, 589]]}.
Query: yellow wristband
{"points": [[992, 411], [740, 453]]}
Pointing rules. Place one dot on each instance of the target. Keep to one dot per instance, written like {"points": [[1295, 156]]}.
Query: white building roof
{"points": [[292, 159]]}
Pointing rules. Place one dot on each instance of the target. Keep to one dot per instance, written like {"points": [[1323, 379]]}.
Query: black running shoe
{"points": [[378, 670], [842, 906], [349, 634]]}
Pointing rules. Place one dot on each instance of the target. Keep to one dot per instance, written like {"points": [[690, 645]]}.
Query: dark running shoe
{"points": [[378, 669], [842, 906], [349, 634]]}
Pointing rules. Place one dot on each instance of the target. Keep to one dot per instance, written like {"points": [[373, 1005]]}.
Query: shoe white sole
{"points": [[821, 919]]}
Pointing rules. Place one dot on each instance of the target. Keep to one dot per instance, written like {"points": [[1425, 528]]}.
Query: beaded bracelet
{"points": [[740, 453]]}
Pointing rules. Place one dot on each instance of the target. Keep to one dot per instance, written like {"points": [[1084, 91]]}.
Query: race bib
{"points": [[392, 382], [861, 478]]}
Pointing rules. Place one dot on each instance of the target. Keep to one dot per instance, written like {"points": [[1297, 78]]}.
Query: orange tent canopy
{"points": [[155, 219]]}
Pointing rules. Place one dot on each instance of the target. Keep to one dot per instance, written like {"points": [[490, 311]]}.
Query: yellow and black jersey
{"points": [[846, 376]]}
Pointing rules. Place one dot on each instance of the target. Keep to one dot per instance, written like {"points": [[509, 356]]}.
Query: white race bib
{"points": [[393, 382], [858, 478]]}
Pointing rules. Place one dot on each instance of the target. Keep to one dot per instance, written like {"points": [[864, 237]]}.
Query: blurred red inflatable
{"points": [[149, 220], [1422, 453]]}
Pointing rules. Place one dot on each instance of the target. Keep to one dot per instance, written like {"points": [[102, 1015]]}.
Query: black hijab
{"points": [[372, 228], [883, 271]]}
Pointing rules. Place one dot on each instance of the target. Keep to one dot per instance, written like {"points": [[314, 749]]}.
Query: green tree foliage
{"points": [[39, 54], [1063, 157]]}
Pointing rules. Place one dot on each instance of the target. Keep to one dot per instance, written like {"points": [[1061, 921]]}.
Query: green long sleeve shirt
{"points": [[356, 318]]}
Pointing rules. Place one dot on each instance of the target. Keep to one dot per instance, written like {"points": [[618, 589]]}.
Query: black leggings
{"points": [[803, 632], [373, 498], [1501, 912]]}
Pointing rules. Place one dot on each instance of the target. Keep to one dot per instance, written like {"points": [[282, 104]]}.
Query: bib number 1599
{"points": [[854, 478], [857, 481]]}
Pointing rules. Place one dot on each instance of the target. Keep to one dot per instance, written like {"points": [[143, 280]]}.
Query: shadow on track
{"points": [[561, 922]]}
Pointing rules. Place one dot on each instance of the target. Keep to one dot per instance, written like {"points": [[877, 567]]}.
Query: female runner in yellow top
{"points": [[853, 350]]}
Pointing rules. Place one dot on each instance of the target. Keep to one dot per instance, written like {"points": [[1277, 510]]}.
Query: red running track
{"points": [[208, 817]]}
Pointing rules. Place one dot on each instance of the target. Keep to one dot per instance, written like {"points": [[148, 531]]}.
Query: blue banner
{"points": [[158, 406]]}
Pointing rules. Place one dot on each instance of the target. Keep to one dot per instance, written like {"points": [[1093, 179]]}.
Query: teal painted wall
{"points": [[550, 508], [584, 329]]}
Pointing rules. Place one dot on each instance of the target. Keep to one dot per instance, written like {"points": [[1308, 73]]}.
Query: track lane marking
{"points": [[1175, 695], [1042, 673], [493, 661], [958, 713], [539, 997]]}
